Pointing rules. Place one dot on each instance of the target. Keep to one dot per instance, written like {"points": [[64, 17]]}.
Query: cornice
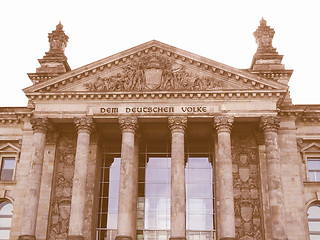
{"points": [[160, 48], [305, 113], [219, 94], [14, 115]]}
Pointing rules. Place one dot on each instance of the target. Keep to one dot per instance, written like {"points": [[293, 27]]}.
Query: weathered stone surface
{"points": [[270, 125], [178, 194], [128, 177], [84, 128], [246, 186], [62, 187], [224, 178], [40, 127], [27, 237]]}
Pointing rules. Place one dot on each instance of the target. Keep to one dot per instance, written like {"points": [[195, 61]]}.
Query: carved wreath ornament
{"points": [[153, 73]]}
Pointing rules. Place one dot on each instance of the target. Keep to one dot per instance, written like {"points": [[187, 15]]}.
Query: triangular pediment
{"points": [[9, 148], [155, 67], [311, 148]]}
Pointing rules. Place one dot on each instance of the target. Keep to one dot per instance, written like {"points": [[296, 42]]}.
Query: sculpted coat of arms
{"points": [[153, 73]]}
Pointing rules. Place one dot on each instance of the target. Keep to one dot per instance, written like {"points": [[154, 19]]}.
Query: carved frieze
{"points": [[62, 188], [153, 73], [246, 188]]}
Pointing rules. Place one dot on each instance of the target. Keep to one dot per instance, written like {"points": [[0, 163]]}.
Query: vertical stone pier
{"points": [[84, 128], [40, 127], [178, 194], [135, 185], [270, 126], [128, 170], [224, 178]]}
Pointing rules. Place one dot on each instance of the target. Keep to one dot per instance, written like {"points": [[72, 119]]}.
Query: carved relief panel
{"points": [[62, 187], [246, 188]]}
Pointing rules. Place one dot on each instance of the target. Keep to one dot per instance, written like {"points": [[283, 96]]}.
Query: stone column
{"points": [[84, 128], [270, 126], [128, 170], [224, 179], [178, 193], [40, 127]]}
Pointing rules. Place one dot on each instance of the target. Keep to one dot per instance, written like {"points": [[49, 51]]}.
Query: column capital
{"points": [[84, 124], [177, 123], [41, 125], [223, 123], [128, 124], [270, 123]]}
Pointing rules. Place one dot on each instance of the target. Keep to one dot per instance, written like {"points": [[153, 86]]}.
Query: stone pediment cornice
{"points": [[160, 51], [14, 115], [231, 94], [305, 113]]}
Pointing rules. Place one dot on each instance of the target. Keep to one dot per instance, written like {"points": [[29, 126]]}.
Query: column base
{"points": [[27, 237], [123, 238], [228, 238], [177, 238], [75, 237]]}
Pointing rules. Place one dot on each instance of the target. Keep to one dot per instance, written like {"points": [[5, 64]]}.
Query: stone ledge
{"points": [[27, 237], [123, 238], [75, 237]]}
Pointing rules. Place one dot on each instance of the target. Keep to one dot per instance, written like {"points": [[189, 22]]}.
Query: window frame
{"points": [[312, 157], [314, 233], [3, 200], [12, 152]]}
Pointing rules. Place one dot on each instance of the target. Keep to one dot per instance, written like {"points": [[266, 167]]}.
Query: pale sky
{"points": [[219, 30]]}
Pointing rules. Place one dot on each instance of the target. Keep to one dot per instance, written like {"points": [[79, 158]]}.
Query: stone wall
{"points": [[247, 192], [62, 187], [292, 182]]}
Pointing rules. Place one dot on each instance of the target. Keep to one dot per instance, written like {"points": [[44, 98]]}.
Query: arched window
{"points": [[314, 221], [5, 219]]}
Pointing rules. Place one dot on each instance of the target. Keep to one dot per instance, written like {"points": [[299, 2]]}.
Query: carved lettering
{"points": [[109, 110], [194, 109]]}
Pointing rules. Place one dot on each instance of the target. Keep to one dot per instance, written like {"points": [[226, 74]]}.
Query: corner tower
{"points": [[266, 62], [54, 63]]}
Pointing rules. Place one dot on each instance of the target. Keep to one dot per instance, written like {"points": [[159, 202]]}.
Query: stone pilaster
{"points": [[178, 194], [128, 169], [224, 178], [84, 128], [135, 185], [40, 127], [270, 125]]}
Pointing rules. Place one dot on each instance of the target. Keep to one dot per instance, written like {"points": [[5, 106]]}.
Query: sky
{"points": [[215, 29]]}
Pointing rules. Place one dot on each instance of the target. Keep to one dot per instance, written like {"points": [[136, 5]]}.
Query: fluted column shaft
{"points": [[226, 218], [128, 167], [40, 127], [270, 126], [84, 128], [178, 194]]}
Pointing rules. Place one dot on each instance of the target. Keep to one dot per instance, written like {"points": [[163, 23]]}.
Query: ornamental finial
{"points": [[58, 39], [264, 35]]}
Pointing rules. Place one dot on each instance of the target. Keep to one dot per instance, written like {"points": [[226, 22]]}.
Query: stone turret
{"points": [[54, 63], [267, 62]]}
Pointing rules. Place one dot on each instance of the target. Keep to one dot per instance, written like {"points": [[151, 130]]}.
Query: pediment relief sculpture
{"points": [[152, 73]]}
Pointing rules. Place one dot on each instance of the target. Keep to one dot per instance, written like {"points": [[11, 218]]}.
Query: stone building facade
{"points": [[159, 143]]}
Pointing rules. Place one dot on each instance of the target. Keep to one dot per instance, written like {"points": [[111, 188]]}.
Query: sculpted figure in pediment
{"points": [[153, 73]]}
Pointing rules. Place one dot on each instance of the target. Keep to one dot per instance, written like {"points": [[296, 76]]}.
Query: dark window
{"points": [[314, 221], [5, 219], [7, 168], [314, 169]]}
